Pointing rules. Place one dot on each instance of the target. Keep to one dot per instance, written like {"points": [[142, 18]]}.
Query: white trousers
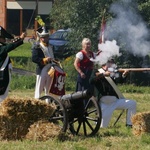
{"points": [[110, 103], [43, 82], [2, 97]]}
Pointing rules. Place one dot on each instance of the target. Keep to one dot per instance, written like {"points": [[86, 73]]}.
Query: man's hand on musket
{"points": [[124, 74], [107, 73]]}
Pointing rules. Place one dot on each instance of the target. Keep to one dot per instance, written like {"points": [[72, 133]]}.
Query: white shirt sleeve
{"points": [[79, 55], [101, 70]]}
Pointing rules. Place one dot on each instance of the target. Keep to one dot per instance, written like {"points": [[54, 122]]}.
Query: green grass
{"points": [[111, 138], [21, 57], [22, 51]]}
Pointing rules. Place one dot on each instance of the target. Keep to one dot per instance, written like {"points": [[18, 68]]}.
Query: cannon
{"points": [[78, 112], [77, 95], [69, 99]]}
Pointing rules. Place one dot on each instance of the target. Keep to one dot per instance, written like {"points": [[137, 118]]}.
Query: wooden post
{"points": [[21, 20], [36, 13], [3, 7]]}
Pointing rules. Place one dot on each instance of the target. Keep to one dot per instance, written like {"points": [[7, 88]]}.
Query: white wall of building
{"points": [[43, 7]]}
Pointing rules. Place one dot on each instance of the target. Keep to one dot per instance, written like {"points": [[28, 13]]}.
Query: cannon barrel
{"points": [[77, 95]]}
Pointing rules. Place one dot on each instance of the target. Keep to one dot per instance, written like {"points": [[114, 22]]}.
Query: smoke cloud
{"points": [[129, 27], [109, 49]]}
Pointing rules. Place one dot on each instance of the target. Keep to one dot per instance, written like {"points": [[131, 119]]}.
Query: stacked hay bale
{"points": [[42, 130], [17, 115], [141, 123]]}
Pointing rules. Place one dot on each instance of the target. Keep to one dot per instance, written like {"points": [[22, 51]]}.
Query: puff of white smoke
{"points": [[109, 49], [129, 25]]}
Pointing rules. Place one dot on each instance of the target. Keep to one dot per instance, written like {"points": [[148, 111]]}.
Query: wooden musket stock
{"points": [[133, 69]]}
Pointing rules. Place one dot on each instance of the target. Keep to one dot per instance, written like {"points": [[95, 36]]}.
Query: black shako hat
{"points": [[42, 32], [5, 34]]}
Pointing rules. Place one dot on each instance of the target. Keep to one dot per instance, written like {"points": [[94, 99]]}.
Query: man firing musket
{"points": [[109, 96], [114, 71]]}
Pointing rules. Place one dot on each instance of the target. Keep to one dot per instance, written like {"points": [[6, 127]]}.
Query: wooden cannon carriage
{"points": [[78, 113]]}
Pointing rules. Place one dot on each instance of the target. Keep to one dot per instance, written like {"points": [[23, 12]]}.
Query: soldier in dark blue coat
{"points": [[42, 55], [5, 62]]}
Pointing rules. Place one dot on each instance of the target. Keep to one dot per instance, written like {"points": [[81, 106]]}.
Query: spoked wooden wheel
{"points": [[88, 120], [59, 116]]}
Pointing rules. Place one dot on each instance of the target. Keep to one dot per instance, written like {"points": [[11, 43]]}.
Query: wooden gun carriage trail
{"points": [[78, 113]]}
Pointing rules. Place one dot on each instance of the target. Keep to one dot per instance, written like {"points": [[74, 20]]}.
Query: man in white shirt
{"points": [[109, 96]]}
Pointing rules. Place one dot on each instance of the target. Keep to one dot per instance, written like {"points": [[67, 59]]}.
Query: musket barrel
{"points": [[134, 69]]}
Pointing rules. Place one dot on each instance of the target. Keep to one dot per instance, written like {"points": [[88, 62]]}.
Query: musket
{"points": [[114, 72], [133, 69]]}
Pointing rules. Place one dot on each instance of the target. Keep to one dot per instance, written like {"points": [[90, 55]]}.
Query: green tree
{"points": [[82, 16], [144, 8]]}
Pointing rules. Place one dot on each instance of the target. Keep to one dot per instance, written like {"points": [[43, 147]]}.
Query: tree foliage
{"points": [[84, 18], [144, 8]]}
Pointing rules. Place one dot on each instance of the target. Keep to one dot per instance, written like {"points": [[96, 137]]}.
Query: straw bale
{"points": [[43, 130], [16, 116], [141, 123]]}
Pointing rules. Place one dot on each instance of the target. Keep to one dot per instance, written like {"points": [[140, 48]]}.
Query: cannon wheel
{"points": [[59, 116], [88, 123]]}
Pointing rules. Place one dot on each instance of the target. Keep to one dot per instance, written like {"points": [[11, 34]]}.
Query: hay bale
{"points": [[16, 116], [141, 123], [43, 130]]}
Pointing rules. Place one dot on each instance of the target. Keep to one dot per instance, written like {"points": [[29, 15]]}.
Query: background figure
{"points": [[84, 65], [5, 62], [109, 96], [42, 55]]}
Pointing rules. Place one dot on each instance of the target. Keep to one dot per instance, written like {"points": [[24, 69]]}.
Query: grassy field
{"points": [[111, 138]]}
